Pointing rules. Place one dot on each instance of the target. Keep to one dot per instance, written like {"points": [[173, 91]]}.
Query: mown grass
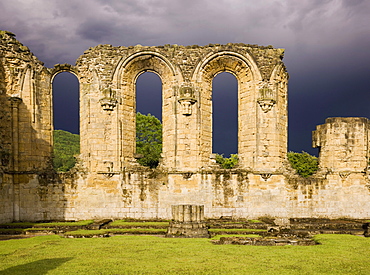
{"points": [[45, 224], [255, 221], [23, 230], [337, 254], [123, 223], [242, 222], [89, 233]]}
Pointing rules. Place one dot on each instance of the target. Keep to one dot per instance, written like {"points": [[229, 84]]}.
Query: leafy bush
{"points": [[66, 145], [304, 163], [227, 163], [148, 139]]}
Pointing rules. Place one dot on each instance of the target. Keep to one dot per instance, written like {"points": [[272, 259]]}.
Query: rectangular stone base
{"points": [[187, 230]]}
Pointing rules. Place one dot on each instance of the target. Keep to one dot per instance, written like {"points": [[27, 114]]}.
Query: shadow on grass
{"points": [[39, 267]]}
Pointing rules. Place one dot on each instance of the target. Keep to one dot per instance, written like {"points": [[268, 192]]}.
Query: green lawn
{"points": [[45, 224], [338, 254], [124, 223], [116, 231]]}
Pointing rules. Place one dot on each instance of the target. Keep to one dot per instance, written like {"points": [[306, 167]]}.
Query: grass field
{"points": [[140, 224], [46, 224], [337, 254]]}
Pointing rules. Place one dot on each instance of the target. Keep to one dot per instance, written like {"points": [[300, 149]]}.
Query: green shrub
{"points": [[227, 163], [304, 163]]}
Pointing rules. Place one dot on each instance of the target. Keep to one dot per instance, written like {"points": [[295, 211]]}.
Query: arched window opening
{"points": [[148, 119], [149, 94], [65, 121], [66, 103], [225, 114]]}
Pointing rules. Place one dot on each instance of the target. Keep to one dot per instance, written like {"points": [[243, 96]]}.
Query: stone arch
{"points": [[224, 101], [123, 64], [65, 101], [148, 87], [124, 82], [59, 68], [279, 79], [248, 75], [28, 91]]}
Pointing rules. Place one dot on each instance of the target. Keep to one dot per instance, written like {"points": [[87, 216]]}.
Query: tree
{"points": [[227, 163], [304, 163], [66, 145], [148, 139]]}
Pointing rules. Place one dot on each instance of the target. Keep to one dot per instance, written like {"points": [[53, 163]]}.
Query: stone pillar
{"points": [[15, 101], [343, 143], [188, 222]]}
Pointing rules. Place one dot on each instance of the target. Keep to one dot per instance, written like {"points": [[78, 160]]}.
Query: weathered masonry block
{"points": [[109, 183]]}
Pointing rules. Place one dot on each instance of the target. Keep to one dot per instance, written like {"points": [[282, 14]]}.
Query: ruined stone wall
{"points": [[108, 182], [5, 148], [236, 194], [107, 81], [343, 143], [25, 121], [27, 88]]}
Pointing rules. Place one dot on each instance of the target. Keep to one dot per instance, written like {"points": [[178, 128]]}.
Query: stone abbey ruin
{"points": [[107, 181]]}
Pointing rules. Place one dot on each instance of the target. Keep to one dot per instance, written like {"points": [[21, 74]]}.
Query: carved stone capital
{"points": [[344, 175], [266, 98], [186, 98], [109, 100], [15, 101], [265, 176], [266, 104]]}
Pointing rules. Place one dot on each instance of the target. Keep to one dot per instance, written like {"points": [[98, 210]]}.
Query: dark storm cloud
{"points": [[327, 41], [72, 26]]}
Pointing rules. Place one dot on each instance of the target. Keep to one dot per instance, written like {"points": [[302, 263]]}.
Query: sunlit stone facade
{"points": [[108, 182]]}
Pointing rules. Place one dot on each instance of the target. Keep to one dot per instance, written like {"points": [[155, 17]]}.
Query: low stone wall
{"points": [[147, 195], [265, 241]]}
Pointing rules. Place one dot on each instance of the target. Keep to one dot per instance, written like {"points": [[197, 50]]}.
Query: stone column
{"points": [[14, 102], [188, 222]]}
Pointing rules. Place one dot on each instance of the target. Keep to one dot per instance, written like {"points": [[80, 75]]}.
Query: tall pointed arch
{"points": [[124, 82], [225, 114], [247, 74]]}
